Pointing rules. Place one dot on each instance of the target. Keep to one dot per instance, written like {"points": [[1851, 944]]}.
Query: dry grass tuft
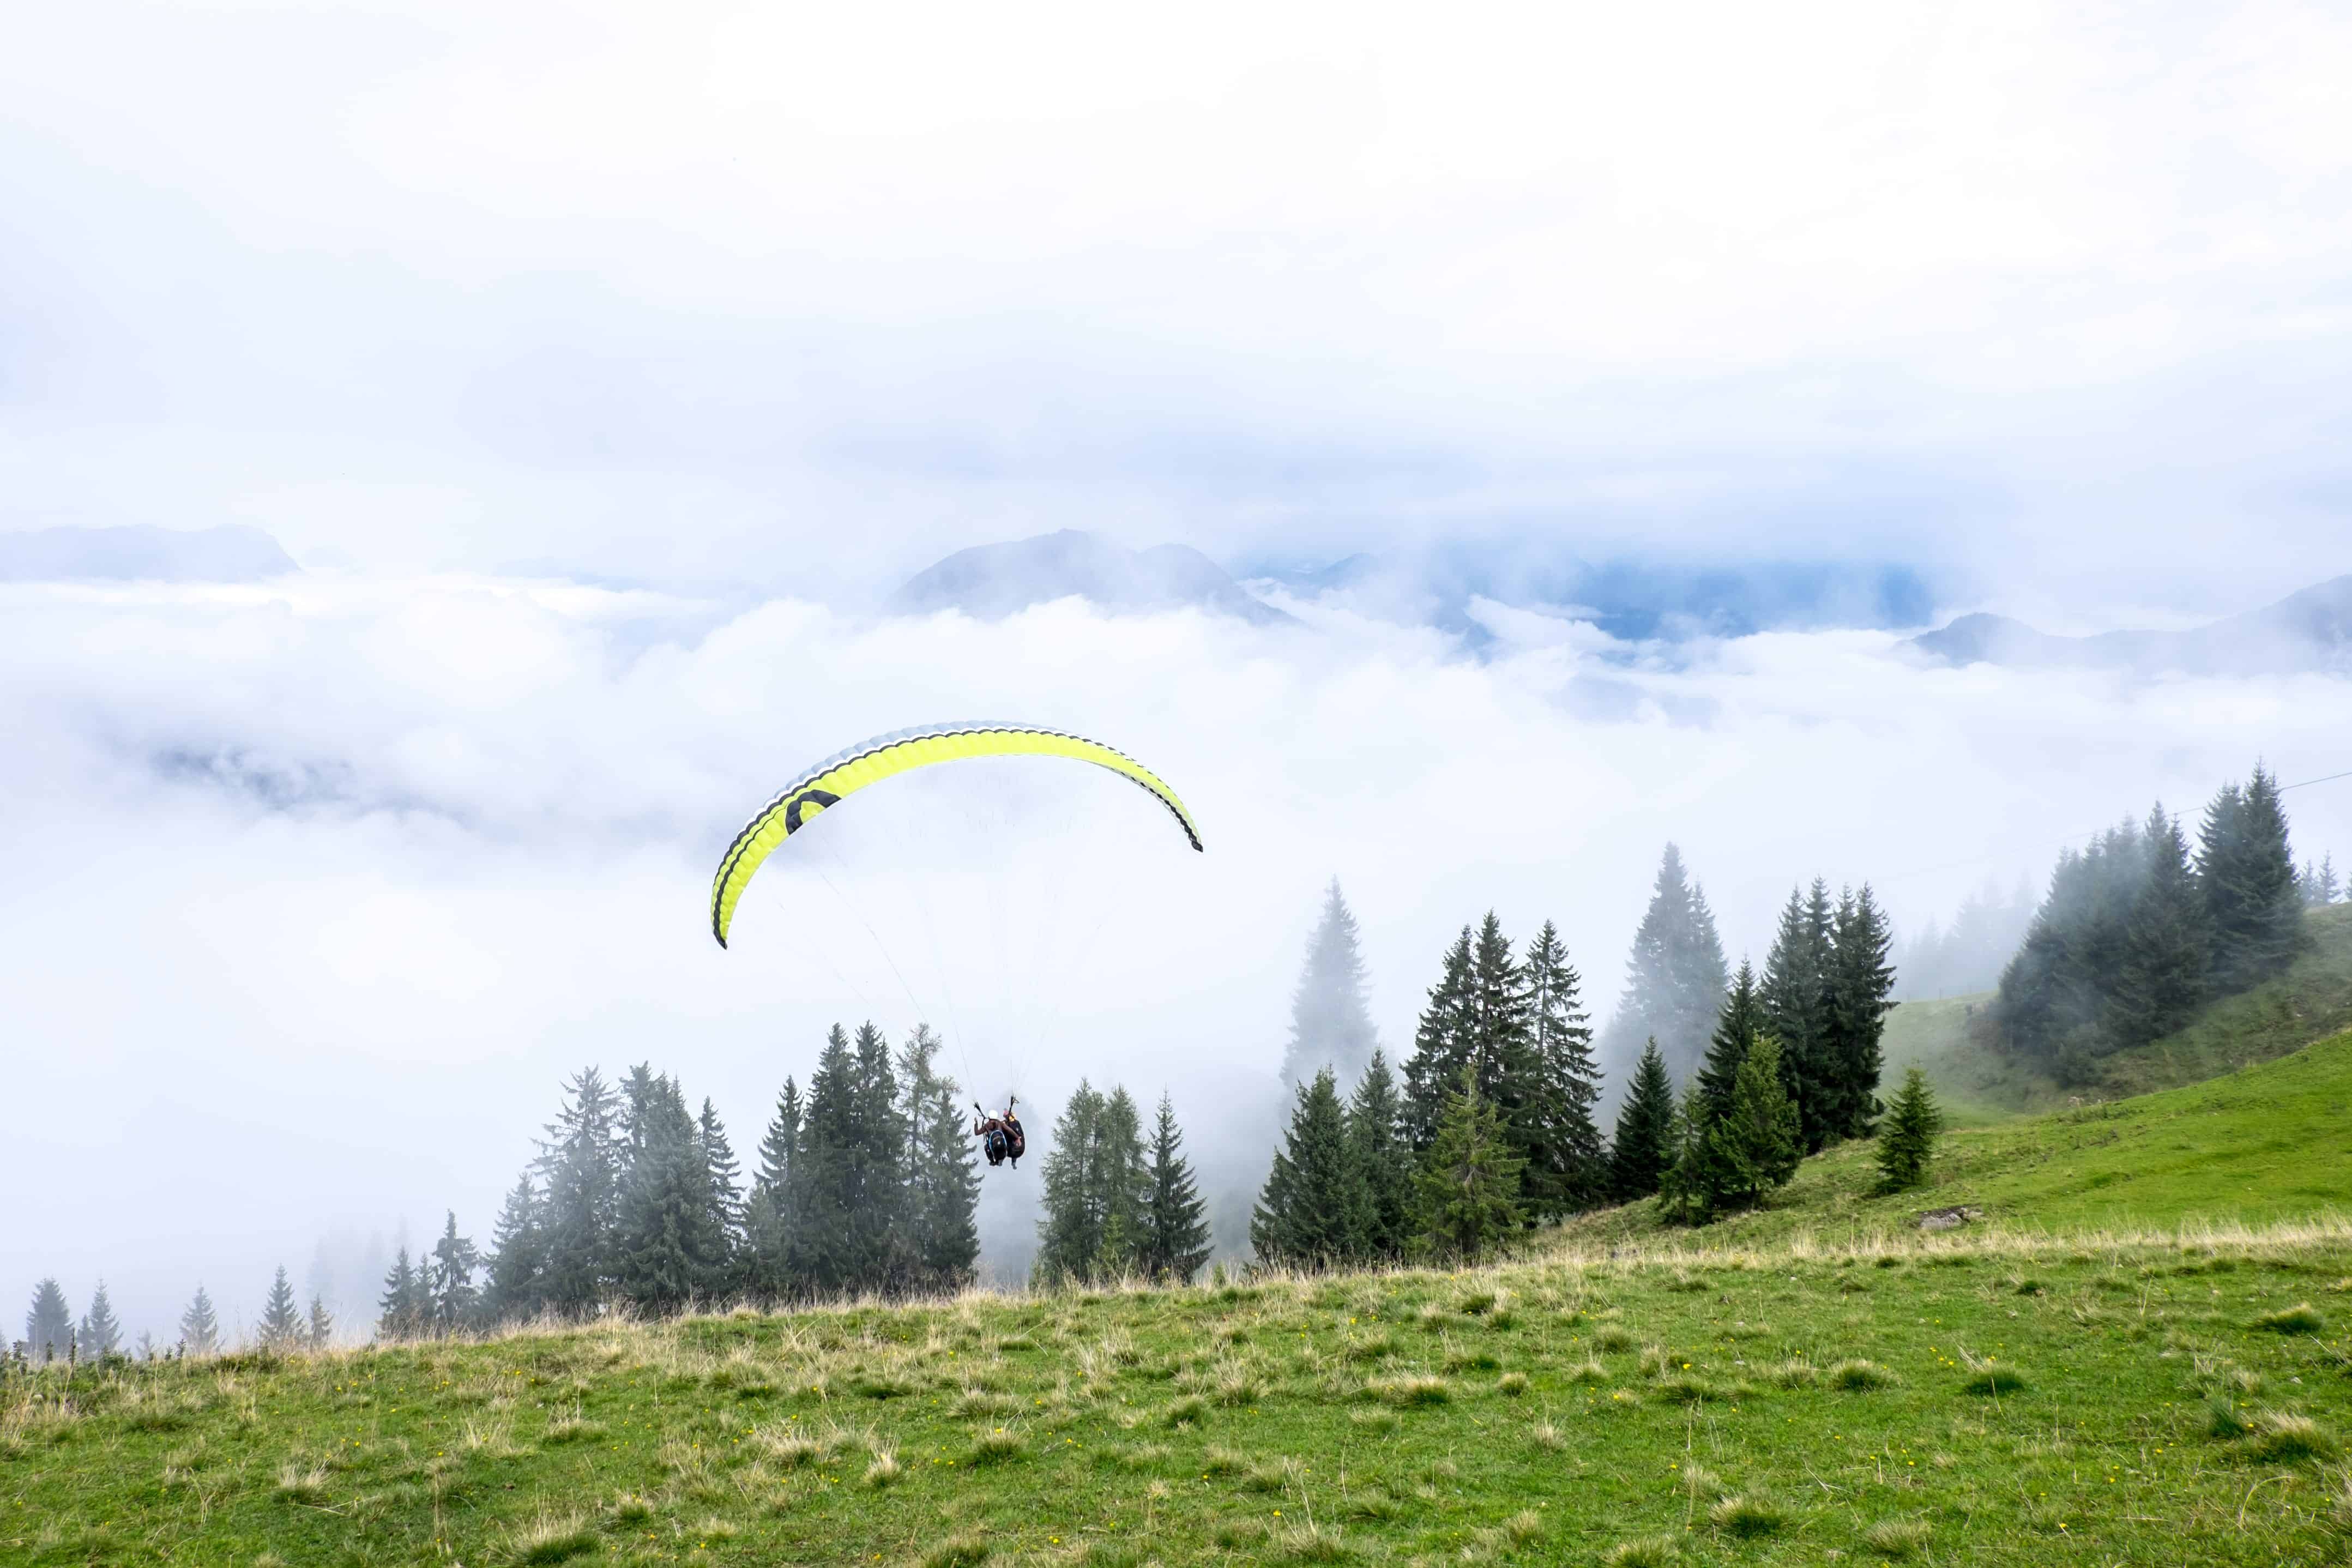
{"points": [[1896, 1537], [1857, 1376], [885, 1470], [999, 1446], [1649, 1552], [1511, 1384], [2303, 1318], [2277, 1435], [550, 1538], [1745, 1517], [298, 1482], [960, 1551], [1406, 1392]]}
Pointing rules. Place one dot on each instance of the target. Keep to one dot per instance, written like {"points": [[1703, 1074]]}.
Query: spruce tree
{"points": [[1795, 992], [405, 1309], [2168, 942], [1736, 1031], [823, 1191], [1687, 1185], [669, 1248], [517, 1261], [1906, 1139], [1755, 1142], [1380, 1168], [943, 1182], [1862, 988], [1330, 1022], [1675, 976], [321, 1331], [2246, 868], [2325, 888], [580, 1160], [281, 1321], [776, 1269], [1445, 1042], [1301, 1220], [1069, 1230], [1566, 1164], [449, 1279], [1466, 1190], [722, 1181], [1175, 1219], [1643, 1150], [877, 1172], [101, 1332], [49, 1324], [1122, 1182], [199, 1326]]}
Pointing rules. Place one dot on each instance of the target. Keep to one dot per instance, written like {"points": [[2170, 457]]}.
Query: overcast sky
{"points": [[317, 888]]}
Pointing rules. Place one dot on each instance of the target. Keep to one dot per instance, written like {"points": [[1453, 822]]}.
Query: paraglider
{"points": [[825, 785], [1001, 1138]]}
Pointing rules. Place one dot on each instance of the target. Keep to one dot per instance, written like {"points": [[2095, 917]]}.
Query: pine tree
{"points": [[581, 1165], [2246, 869], [49, 1324], [1643, 1148], [1380, 1168], [1687, 1185], [943, 1183], [876, 1170], [449, 1279], [281, 1321], [101, 1332], [517, 1262], [1444, 1043], [1736, 1031], [1122, 1184], [776, 1269], [2324, 888], [1862, 985], [1175, 1219], [1566, 1164], [1301, 1220], [2167, 943], [1795, 994], [668, 1248], [1755, 1142], [320, 1332], [1906, 1139], [1069, 1231], [1466, 1190], [724, 1211], [1676, 976], [1330, 1024], [405, 1307], [199, 1326]]}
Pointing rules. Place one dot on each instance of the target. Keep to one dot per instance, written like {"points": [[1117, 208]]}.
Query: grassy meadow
{"points": [[1980, 1397]]}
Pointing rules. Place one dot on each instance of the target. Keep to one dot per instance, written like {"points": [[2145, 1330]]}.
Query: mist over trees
{"points": [[1330, 1022], [2137, 930], [1675, 978], [1968, 954]]}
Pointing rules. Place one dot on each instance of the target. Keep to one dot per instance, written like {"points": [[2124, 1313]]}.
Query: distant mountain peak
{"points": [[993, 581], [142, 553], [2306, 631]]}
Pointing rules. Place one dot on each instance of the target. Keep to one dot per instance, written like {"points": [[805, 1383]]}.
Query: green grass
{"points": [[734, 1440], [2272, 1142]]}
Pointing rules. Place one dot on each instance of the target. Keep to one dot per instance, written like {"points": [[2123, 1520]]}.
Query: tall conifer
{"points": [[943, 1185], [1862, 989], [1736, 1031], [1795, 991], [517, 1262], [102, 1330], [580, 1160], [1465, 1194], [1330, 1024], [668, 1248], [2246, 868], [1379, 1167], [1301, 1220], [1567, 1167], [199, 1326], [1644, 1150], [774, 1268], [1906, 1139], [281, 1321], [1675, 976], [1175, 1219], [1069, 1229], [449, 1279], [1445, 1042], [2167, 956], [48, 1323], [405, 1309]]}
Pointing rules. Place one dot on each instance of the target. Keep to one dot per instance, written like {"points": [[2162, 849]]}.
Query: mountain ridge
{"points": [[2309, 630]]}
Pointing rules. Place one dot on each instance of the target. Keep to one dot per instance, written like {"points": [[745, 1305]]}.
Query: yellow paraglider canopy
{"points": [[845, 773]]}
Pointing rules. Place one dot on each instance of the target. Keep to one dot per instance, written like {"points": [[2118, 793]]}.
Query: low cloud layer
{"points": [[318, 888]]}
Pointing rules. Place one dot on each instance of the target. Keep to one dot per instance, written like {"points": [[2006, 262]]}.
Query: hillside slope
{"points": [[1951, 1038], [2268, 1143]]}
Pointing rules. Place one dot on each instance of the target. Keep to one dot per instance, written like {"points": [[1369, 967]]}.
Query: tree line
{"points": [[2138, 931], [51, 1335], [1116, 1209], [1490, 1125]]}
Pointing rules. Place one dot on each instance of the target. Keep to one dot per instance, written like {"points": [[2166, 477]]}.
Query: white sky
{"points": [[769, 306]]}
